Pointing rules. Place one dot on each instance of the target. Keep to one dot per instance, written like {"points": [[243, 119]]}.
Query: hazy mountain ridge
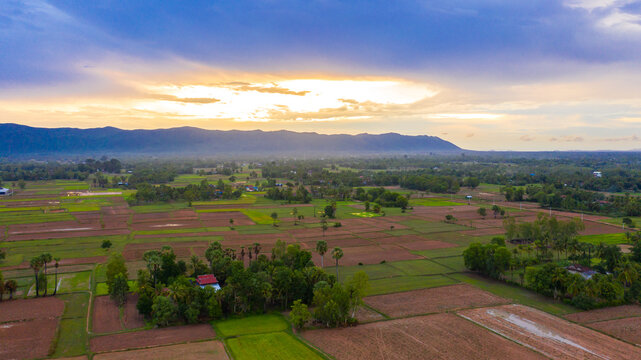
{"points": [[23, 140]]}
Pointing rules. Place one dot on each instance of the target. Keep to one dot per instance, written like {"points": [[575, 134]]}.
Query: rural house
{"points": [[207, 280], [5, 192]]}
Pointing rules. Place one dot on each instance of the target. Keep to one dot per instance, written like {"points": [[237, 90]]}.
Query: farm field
{"points": [[417, 277], [549, 335]]}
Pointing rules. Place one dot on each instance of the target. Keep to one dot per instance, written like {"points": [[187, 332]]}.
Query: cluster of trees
{"points": [[546, 233], [382, 197], [202, 192], [491, 259], [53, 170], [167, 294], [39, 265], [155, 175], [289, 194], [432, 183], [615, 280]]}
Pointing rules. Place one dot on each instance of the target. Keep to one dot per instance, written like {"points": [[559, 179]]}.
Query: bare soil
{"points": [[131, 317], [610, 313], [106, 315], [552, 336], [213, 350], [627, 329], [26, 309], [27, 339], [440, 336], [433, 300], [153, 337]]}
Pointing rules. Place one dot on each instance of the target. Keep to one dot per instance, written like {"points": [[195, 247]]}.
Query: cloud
{"points": [[469, 135], [567, 138], [185, 100], [271, 90], [527, 138], [624, 138]]}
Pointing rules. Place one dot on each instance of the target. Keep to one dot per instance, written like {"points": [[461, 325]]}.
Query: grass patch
{"points": [[610, 239], [72, 338], [455, 263], [377, 271], [419, 267], [366, 214], [437, 253], [102, 289], [433, 202], [12, 218], [277, 346], [164, 207], [407, 283], [72, 334], [517, 294], [251, 325]]}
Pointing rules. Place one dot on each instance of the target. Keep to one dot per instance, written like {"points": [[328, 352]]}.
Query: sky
{"points": [[483, 74]]}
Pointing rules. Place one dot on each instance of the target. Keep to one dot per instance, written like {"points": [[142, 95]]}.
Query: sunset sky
{"points": [[483, 74]]}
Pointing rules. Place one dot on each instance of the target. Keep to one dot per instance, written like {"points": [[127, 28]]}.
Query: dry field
{"points": [[27, 339], [610, 313], [154, 337], [440, 336], [213, 350], [432, 300], [554, 337], [37, 308], [628, 329], [106, 315], [28, 327]]}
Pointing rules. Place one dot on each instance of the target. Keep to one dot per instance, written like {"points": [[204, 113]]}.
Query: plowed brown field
{"points": [[440, 336]]}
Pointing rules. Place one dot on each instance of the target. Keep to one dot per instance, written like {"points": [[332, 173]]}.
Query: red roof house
{"points": [[207, 280]]}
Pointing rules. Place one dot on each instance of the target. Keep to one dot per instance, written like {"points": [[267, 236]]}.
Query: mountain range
{"points": [[19, 141]]}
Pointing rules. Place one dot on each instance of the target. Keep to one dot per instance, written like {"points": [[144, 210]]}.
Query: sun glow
{"points": [[287, 100]]}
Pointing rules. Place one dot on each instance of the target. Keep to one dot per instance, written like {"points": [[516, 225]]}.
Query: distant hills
{"points": [[20, 141]]}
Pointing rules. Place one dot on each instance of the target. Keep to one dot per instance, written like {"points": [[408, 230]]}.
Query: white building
{"points": [[5, 192]]}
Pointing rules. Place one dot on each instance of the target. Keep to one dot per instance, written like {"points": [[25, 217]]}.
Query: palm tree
{"points": [[231, 224], [55, 265], [337, 253], [257, 249], [11, 286], [46, 258], [195, 264], [242, 254], [627, 273], [36, 265], [294, 213], [274, 216], [321, 248], [324, 224]]}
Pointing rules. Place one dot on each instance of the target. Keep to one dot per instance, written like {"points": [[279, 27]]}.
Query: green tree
{"points": [[324, 225], [163, 311], [119, 289], [274, 216], [22, 184], [496, 210], [321, 249], [231, 224], [337, 254], [299, 315], [106, 244], [295, 214], [115, 266], [357, 287], [482, 211]]}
